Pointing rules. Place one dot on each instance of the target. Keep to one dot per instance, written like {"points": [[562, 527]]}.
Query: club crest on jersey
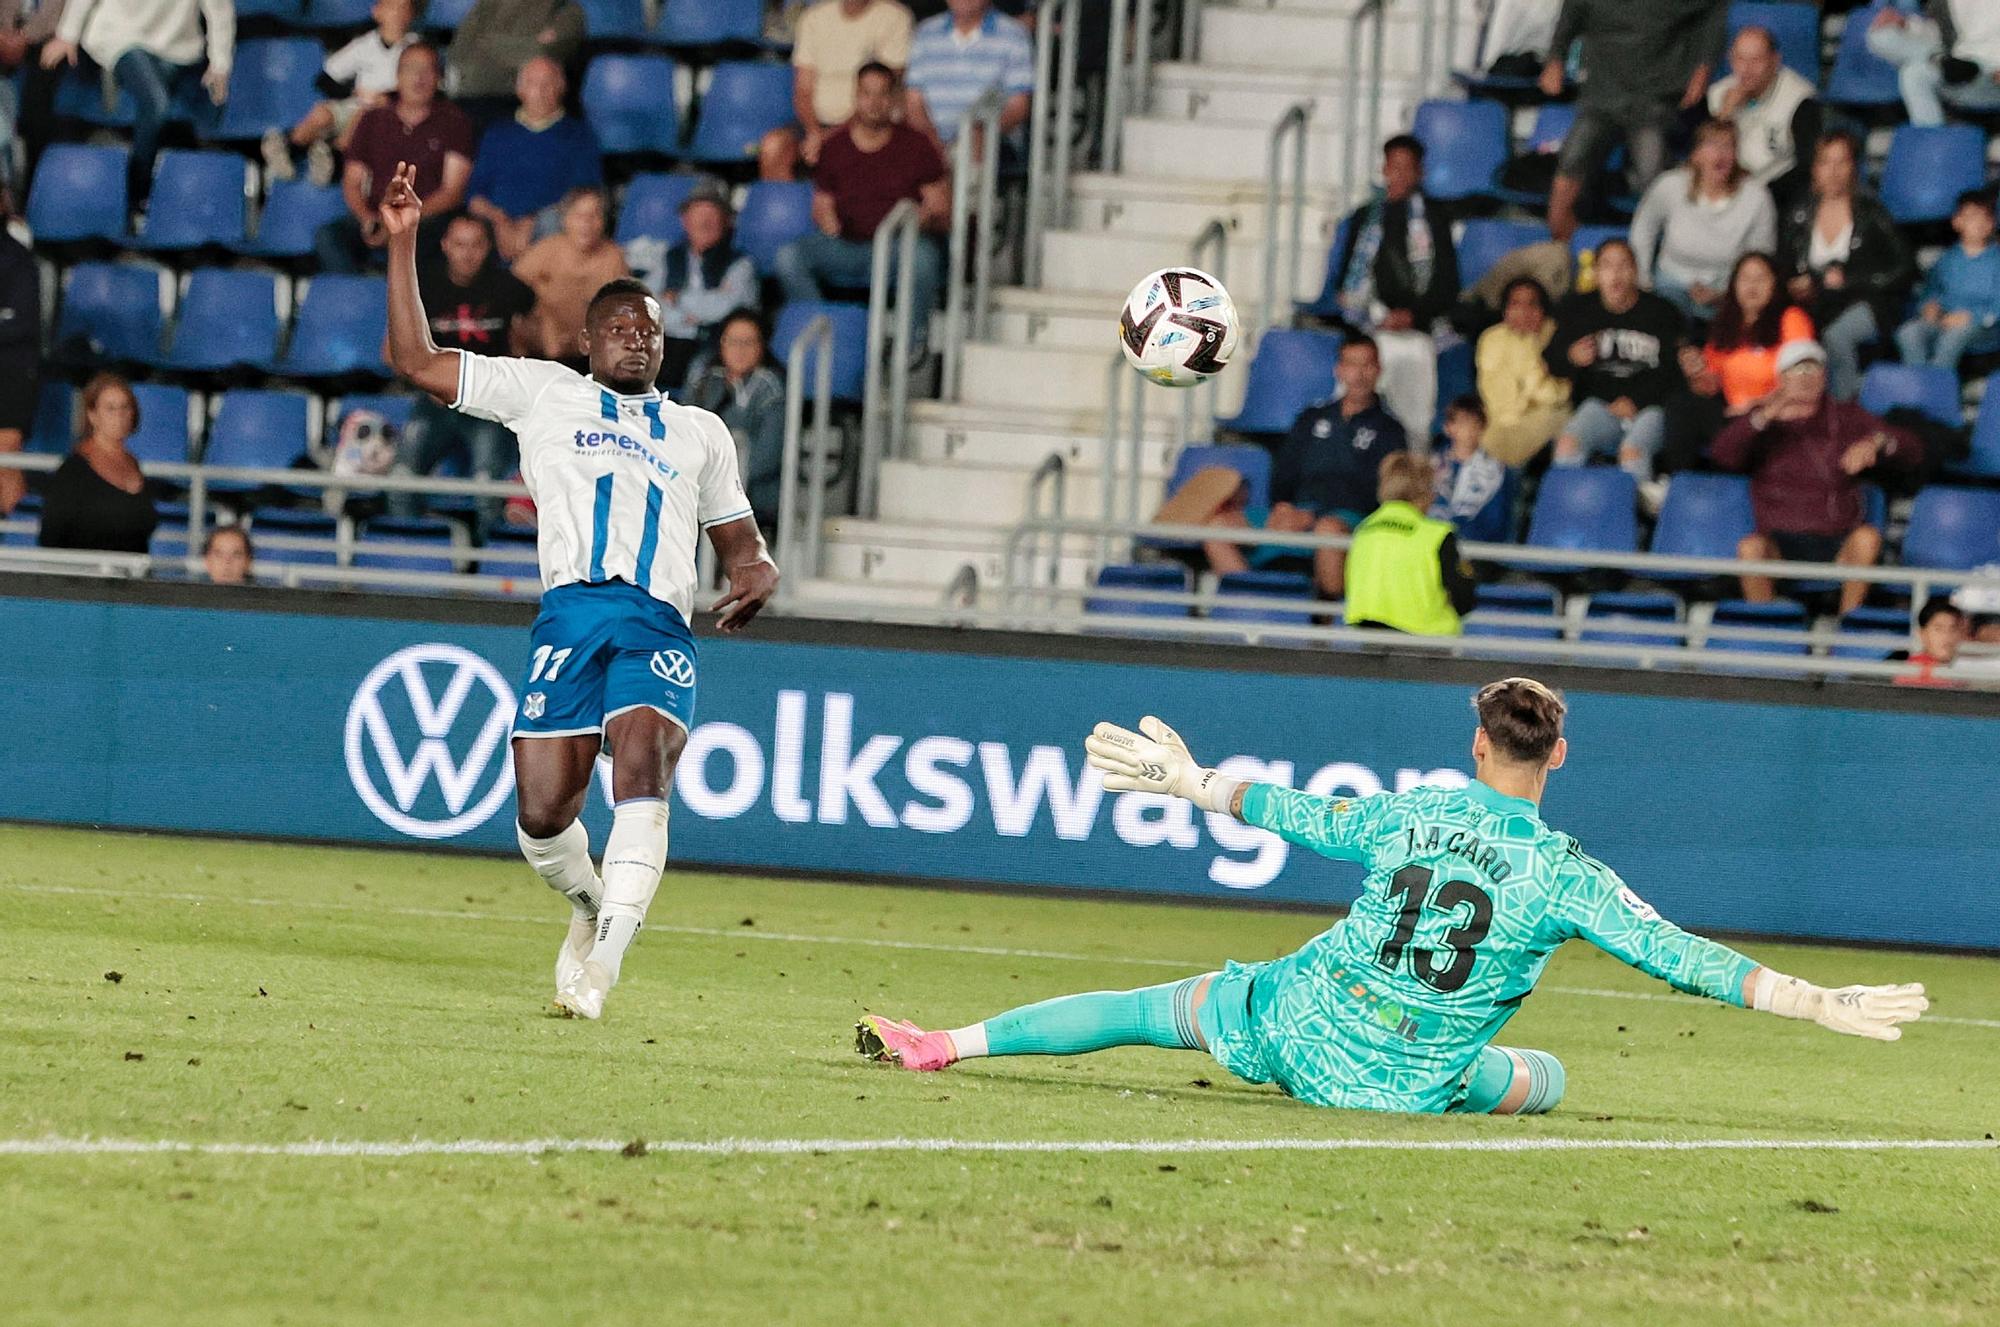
{"points": [[673, 668], [533, 704]]}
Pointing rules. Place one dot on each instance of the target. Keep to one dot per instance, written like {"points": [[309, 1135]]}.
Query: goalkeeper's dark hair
{"points": [[613, 289], [1522, 718]]}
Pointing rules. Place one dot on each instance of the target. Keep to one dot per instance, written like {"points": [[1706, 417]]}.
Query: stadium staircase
{"points": [[1037, 383]]}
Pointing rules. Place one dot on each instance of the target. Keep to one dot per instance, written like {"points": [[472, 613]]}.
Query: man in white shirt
{"points": [[155, 50], [1773, 108], [623, 482]]}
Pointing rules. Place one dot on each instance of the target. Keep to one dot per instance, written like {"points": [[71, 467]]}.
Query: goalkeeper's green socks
{"points": [[1074, 1024]]}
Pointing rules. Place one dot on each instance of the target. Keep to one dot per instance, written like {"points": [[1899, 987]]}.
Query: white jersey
{"points": [[623, 485]]}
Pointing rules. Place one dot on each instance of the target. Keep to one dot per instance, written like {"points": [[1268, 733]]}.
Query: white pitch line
{"points": [[787, 937], [1101, 1146]]}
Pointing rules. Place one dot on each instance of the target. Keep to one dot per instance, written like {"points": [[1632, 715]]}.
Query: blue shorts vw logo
{"points": [[673, 668]]}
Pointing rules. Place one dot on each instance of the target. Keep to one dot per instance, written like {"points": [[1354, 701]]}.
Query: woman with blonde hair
{"points": [[1697, 220], [97, 497]]}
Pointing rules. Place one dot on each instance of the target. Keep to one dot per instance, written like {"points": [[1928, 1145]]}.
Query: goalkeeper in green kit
{"points": [[1396, 1006]]}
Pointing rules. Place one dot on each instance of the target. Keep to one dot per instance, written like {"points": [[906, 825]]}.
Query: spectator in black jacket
{"points": [[1395, 276], [1844, 261], [20, 356], [97, 497], [1617, 345]]}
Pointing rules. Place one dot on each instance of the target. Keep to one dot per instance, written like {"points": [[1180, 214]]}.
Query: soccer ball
{"points": [[1178, 327]]}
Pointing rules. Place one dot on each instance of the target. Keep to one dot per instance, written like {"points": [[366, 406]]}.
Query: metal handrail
{"points": [[1291, 124], [1200, 424], [981, 122], [816, 339], [1190, 31], [1125, 399], [881, 422], [1426, 39], [1370, 9], [1049, 143], [1051, 476]]}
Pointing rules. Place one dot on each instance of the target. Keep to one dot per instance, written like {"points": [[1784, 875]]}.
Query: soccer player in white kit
{"points": [[624, 481]]}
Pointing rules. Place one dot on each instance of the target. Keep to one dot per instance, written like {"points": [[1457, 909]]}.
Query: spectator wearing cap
{"points": [[957, 57], [1941, 631], [417, 126], [699, 280], [1775, 109], [497, 37], [1806, 454], [834, 39], [526, 164]]}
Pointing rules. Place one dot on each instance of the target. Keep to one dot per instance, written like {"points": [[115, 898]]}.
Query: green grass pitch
{"points": [[272, 994]]}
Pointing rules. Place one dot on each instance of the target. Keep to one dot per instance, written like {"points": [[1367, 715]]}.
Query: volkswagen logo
{"points": [[673, 668], [431, 715]]}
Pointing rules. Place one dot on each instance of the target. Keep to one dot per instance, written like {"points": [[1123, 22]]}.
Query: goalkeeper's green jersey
{"points": [[1467, 895]]}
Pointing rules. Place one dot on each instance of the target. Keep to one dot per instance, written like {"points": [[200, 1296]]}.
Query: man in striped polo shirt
{"points": [[955, 57]]}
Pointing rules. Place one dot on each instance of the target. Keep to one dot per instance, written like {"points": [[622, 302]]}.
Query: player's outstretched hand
{"points": [[1155, 760], [1872, 1011], [401, 208], [751, 585]]}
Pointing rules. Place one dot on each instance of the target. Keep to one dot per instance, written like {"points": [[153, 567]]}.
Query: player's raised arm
{"points": [[1599, 907], [411, 349]]}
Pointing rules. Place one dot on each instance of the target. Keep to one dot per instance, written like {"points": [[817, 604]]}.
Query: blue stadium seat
{"points": [[745, 100], [1872, 633], [1326, 304], [290, 13], [1778, 615], [80, 96], [1539, 600], [1925, 387], [429, 532], [336, 14], [54, 429], [257, 429], [294, 210], [850, 341], [163, 423], [1928, 168], [272, 530], [1586, 507], [711, 23], [78, 194], [446, 15], [1984, 461], [169, 542], [272, 85], [339, 329], [1292, 370], [225, 319], [1957, 528], [651, 208], [1608, 611], [1488, 239], [1457, 375], [614, 20], [1252, 462], [198, 198], [775, 212], [1704, 516], [1860, 78], [629, 101], [1290, 593], [1588, 238], [110, 312], [1160, 577], [1795, 25], [1465, 144]]}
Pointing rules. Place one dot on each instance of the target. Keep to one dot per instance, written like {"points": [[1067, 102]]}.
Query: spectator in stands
{"points": [[1616, 345], [97, 497], [419, 127], [227, 557], [700, 280], [1697, 220], [1941, 630], [834, 39], [1403, 569], [27, 112], [1324, 475], [1396, 276], [1754, 320], [956, 57], [738, 383], [565, 270], [1642, 65], [526, 164], [866, 167], [1844, 261], [1775, 110], [1949, 53], [20, 355], [474, 304], [358, 77], [1525, 404], [1805, 453], [497, 37], [1961, 296], [157, 51], [1474, 489]]}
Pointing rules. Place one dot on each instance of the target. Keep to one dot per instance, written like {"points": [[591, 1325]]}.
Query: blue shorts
{"points": [[600, 650]]}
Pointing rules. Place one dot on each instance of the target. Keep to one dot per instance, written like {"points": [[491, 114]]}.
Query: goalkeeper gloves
{"points": [[1859, 1011], [1156, 760]]}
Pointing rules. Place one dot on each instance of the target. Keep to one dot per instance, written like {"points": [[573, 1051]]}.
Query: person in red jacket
{"points": [[1806, 454]]}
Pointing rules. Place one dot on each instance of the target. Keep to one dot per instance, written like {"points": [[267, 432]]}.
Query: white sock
{"points": [[564, 862], [635, 854], [969, 1042]]}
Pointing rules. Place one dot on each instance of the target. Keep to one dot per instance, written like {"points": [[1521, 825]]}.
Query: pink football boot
{"points": [[893, 1041]]}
